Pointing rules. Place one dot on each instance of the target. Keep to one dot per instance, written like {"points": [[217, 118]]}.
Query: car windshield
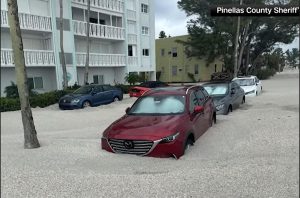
{"points": [[159, 104], [83, 90], [216, 89], [245, 82]]}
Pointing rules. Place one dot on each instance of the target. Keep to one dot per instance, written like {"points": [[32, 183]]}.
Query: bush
{"points": [[132, 78], [38, 100], [11, 91], [192, 77], [124, 88]]}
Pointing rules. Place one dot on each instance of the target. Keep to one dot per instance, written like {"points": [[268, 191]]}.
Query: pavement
{"points": [[252, 152]]}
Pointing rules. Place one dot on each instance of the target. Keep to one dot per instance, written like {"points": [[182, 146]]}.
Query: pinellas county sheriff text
{"points": [[252, 10]]}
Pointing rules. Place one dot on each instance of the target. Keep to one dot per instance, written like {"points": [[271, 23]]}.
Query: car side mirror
{"points": [[127, 110], [198, 109], [93, 93], [232, 91]]}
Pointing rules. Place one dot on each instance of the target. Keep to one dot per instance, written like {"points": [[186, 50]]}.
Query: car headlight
{"points": [[75, 100], [169, 138], [219, 107]]}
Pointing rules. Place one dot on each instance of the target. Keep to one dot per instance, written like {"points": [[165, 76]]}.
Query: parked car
{"points": [[90, 95], [139, 90], [227, 95], [250, 84], [164, 122]]}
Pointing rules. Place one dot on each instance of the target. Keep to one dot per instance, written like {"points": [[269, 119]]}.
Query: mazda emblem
{"points": [[128, 144]]}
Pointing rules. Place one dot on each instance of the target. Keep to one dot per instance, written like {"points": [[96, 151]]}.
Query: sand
{"points": [[252, 152]]}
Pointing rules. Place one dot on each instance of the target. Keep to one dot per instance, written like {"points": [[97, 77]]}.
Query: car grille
{"points": [[139, 147]]}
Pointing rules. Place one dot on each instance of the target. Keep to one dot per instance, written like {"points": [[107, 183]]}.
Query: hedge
{"points": [[39, 100]]}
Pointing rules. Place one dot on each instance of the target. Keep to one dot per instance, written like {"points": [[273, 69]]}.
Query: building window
{"points": [[196, 69], [145, 30], [35, 83], [130, 51], [174, 70], [144, 8], [174, 52], [162, 52], [145, 52], [98, 79]]}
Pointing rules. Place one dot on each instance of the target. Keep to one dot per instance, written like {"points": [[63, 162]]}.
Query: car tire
{"points": [[244, 100], [213, 120], [116, 99], [229, 110], [86, 104], [189, 142]]}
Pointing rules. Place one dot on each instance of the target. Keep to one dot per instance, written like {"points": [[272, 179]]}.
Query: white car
{"points": [[250, 84]]}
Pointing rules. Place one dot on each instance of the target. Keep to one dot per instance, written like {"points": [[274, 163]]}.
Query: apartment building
{"points": [[173, 65], [121, 41]]}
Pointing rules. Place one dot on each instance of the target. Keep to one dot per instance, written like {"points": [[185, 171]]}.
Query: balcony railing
{"points": [[131, 15], [132, 61], [113, 5], [99, 31], [101, 60], [29, 21], [32, 57], [132, 39]]}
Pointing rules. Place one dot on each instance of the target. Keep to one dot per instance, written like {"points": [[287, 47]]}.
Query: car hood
{"points": [[72, 96], [136, 127], [140, 88], [248, 88]]}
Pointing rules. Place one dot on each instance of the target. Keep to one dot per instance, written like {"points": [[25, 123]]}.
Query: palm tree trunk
{"points": [[30, 136], [243, 44], [236, 45], [63, 61], [87, 59]]}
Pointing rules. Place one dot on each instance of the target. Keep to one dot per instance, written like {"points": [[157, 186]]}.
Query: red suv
{"points": [[164, 122]]}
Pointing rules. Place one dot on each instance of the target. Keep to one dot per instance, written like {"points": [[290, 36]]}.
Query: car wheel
{"points": [[116, 99], [244, 100], [189, 142], [213, 120], [229, 110], [86, 104]]}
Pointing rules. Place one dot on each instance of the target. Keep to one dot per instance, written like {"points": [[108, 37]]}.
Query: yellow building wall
{"points": [[184, 65]]}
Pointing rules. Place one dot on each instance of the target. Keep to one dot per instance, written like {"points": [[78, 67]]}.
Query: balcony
{"points": [[32, 57], [132, 39], [132, 61], [111, 5], [101, 60], [29, 22], [131, 15], [99, 31]]}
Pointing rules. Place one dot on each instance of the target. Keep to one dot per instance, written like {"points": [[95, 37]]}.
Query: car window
{"points": [[200, 97], [106, 88], [193, 102], [159, 104], [97, 89], [256, 80], [205, 93]]}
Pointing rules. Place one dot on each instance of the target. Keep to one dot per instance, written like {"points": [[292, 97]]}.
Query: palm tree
{"points": [[87, 59], [63, 61], [30, 136]]}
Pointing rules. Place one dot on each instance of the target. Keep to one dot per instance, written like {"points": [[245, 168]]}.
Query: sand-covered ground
{"points": [[252, 152]]}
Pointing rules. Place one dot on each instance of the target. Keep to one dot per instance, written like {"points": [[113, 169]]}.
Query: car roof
{"points": [[216, 82], [175, 90], [244, 77]]}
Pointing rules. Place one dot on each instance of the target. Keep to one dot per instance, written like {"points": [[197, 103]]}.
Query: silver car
{"points": [[227, 95]]}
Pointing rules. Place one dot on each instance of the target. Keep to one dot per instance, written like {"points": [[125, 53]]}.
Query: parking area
{"points": [[252, 152]]}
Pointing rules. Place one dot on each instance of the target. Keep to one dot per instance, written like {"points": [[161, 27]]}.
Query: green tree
{"points": [[162, 34], [292, 57], [132, 78], [30, 135], [214, 37]]}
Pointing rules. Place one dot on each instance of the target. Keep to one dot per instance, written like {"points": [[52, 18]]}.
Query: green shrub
{"points": [[192, 77], [38, 100], [124, 88], [132, 78]]}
